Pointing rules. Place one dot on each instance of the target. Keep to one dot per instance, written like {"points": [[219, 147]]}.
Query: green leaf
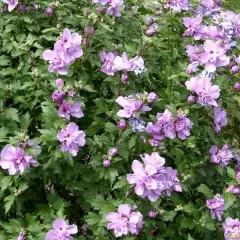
{"points": [[4, 60], [205, 190], [169, 216], [110, 127], [9, 202], [25, 121], [231, 173], [229, 199], [11, 113], [120, 184], [187, 223]]}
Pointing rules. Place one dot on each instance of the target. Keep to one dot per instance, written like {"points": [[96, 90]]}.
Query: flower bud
{"points": [[49, 11], [238, 176], [59, 83], [150, 20], [152, 97], [237, 86], [191, 99], [106, 163], [112, 151], [124, 78], [20, 9], [122, 124], [101, 9], [152, 214]]}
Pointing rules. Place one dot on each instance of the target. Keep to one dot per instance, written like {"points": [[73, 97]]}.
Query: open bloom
{"points": [[221, 156], [182, 125], [68, 109], [71, 138], [231, 228], [56, 63], [216, 206], [202, 86], [11, 4], [220, 118], [177, 5], [192, 25], [68, 46], [61, 231], [164, 127], [214, 56], [16, 160], [125, 221], [108, 66], [130, 106], [152, 178]]}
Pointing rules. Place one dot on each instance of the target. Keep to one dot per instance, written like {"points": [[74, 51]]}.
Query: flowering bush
{"points": [[119, 119]]}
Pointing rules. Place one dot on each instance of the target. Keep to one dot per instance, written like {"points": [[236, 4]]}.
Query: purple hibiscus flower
{"points": [[125, 221], [192, 25], [16, 160], [177, 5], [130, 106], [108, 65], [11, 4], [221, 156], [115, 7], [121, 63], [233, 189], [152, 178], [216, 206], [207, 93], [68, 46], [220, 118], [56, 63], [145, 176], [231, 228], [61, 231], [57, 96], [71, 138], [68, 109], [182, 125], [214, 56], [164, 127]]}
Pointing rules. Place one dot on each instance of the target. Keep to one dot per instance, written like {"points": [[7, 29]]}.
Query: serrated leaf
{"points": [[25, 121], [205, 190], [110, 127], [229, 199], [11, 113], [9, 202]]}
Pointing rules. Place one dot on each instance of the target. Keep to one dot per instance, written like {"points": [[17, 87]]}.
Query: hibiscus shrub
{"points": [[120, 118]]}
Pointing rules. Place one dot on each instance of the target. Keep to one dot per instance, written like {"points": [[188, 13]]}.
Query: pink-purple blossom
{"points": [[231, 228], [11, 4], [233, 189], [202, 86], [152, 97], [182, 125], [192, 25], [58, 96], [59, 83], [68, 46], [221, 156], [152, 214], [125, 221], [177, 5], [220, 119], [68, 109], [71, 138], [56, 63], [216, 207], [130, 106], [21, 236], [167, 127], [66, 50], [122, 124], [214, 56], [15, 160], [151, 179], [61, 230], [113, 151], [113, 6]]}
